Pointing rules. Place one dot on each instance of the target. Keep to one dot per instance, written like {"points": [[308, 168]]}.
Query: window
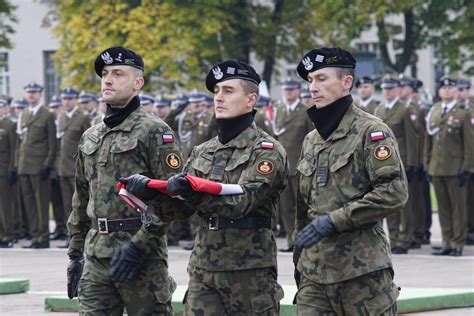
{"points": [[4, 77], [51, 81]]}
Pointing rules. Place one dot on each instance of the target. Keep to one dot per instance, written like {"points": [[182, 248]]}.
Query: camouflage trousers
{"points": [[149, 294], [244, 292], [370, 294]]}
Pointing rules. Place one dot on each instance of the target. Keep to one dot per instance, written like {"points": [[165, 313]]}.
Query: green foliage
{"points": [[7, 18]]}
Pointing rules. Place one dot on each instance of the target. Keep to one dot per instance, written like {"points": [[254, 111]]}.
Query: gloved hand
{"points": [[74, 272], [179, 184], [410, 172], [319, 228], [462, 178], [126, 262], [44, 172], [12, 177], [137, 184]]}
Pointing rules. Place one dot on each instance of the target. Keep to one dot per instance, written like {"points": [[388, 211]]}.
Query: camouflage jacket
{"points": [[356, 176], [135, 146], [262, 173]]}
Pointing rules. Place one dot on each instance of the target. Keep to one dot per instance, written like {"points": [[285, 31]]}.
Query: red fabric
{"points": [[159, 185], [203, 185]]}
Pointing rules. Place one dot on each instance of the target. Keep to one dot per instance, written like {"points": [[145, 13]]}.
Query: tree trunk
{"points": [[269, 61]]}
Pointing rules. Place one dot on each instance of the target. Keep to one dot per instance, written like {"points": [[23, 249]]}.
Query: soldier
{"points": [[148, 103], [366, 92], [264, 115], [447, 151], [463, 92], [350, 178], [291, 126], [88, 103], [8, 176], [402, 121], [233, 264], [305, 97], [72, 124], [126, 260], [162, 107], [35, 160], [60, 231]]}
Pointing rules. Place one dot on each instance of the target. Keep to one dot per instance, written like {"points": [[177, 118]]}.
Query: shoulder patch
{"points": [[168, 138], [265, 167], [266, 145], [173, 161], [382, 152], [378, 135]]}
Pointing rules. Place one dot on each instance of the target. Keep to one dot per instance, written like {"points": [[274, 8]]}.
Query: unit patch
{"points": [[265, 167], [382, 152], [173, 161]]}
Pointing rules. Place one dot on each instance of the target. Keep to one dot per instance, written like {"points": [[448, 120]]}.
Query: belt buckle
{"points": [[99, 226], [214, 226]]}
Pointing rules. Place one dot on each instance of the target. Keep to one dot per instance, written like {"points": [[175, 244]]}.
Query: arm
{"points": [[411, 129], [51, 129], [12, 138]]}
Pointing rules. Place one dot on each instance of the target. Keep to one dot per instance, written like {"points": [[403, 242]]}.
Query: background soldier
{"points": [[263, 117], [350, 178], [162, 107], [36, 159], [402, 121], [305, 97], [72, 124], [88, 103], [291, 126], [233, 264], [148, 103], [8, 176], [447, 157], [366, 92]]}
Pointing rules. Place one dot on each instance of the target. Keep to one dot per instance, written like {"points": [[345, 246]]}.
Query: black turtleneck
{"points": [[115, 116], [228, 129], [327, 119]]}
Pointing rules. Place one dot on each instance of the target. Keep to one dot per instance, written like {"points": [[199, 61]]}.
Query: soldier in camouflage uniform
{"points": [[126, 260], [350, 177], [232, 268], [366, 92]]}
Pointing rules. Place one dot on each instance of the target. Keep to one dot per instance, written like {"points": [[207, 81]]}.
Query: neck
{"points": [[327, 119], [228, 129], [121, 105]]}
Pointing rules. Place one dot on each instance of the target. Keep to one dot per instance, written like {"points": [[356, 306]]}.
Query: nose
{"points": [[313, 87]]}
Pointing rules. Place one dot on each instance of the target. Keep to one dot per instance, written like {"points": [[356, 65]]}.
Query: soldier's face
{"points": [[119, 85], [89, 106], [390, 94], [290, 95], [33, 98], [230, 99], [405, 92], [326, 86], [148, 108], [69, 103], [448, 93], [463, 94], [162, 111], [365, 91], [196, 107]]}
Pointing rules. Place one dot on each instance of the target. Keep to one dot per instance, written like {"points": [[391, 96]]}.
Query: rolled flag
{"points": [[131, 199]]}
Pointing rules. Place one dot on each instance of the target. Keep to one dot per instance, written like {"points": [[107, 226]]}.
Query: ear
{"points": [[252, 100], [139, 82], [347, 82]]}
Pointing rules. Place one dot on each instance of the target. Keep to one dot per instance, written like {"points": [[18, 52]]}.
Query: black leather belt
{"points": [[248, 222], [105, 226]]}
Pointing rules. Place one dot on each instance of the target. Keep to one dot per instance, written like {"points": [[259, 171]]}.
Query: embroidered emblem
{"points": [[173, 161], [265, 167], [217, 73], [308, 65], [319, 58], [382, 152], [107, 58]]}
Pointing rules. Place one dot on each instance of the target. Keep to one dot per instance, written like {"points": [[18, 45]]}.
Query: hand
{"points": [[74, 272], [137, 184], [12, 177], [180, 185], [126, 262], [462, 178], [410, 172], [44, 172], [319, 228]]}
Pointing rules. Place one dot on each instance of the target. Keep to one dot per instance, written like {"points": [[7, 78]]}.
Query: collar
{"points": [[449, 106], [115, 117], [293, 105], [34, 109], [367, 102], [71, 113], [228, 129], [391, 104]]}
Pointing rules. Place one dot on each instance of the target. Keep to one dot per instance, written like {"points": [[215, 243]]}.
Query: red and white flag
{"points": [[377, 136]]}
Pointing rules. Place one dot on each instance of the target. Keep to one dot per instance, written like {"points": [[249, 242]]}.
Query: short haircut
{"points": [[341, 72], [137, 72], [249, 87]]}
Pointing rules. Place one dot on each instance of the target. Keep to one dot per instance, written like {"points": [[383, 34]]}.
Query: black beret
{"points": [[231, 69], [464, 84], [118, 55], [364, 80], [389, 82], [325, 57], [447, 81]]}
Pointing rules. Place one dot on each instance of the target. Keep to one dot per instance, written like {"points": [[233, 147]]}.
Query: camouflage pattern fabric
{"points": [[357, 177], [367, 295], [245, 293], [149, 294]]}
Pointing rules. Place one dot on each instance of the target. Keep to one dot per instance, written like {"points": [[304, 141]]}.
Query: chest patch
{"points": [[382, 152], [265, 167]]}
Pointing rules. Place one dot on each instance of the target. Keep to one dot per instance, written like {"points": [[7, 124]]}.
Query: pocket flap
{"points": [[89, 147], [203, 163], [340, 162], [165, 293], [238, 158], [124, 146], [305, 167], [268, 299]]}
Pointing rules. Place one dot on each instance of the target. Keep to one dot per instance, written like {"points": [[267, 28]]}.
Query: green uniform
{"points": [[403, 122], [470, 183], [227, 263], [290, 130], [37, 150], [70, 130], [369, 107], [262, 121], [139, 144], [8, 143], [356, 176], [56, 198], [447, 154]]}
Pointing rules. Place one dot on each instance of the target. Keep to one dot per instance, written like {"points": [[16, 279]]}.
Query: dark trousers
{"points": [[36, 194]]}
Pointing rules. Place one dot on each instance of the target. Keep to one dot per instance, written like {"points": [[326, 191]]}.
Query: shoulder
{"points": [[267, 144]]}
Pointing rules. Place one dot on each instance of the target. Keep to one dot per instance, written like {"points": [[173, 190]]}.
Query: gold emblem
{"points": [[265, 167], [382, 152], [173, 161]]}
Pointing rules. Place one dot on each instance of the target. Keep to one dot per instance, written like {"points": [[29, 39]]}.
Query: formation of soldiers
{"points": [[38, 146]]}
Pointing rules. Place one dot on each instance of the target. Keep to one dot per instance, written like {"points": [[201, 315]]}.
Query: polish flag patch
{"points": [[168, 138], [267, 145], [377, 136]]}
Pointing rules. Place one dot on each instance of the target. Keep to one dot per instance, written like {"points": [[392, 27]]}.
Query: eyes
{"points": [[116, 73], [320, 78], [224, 90]]}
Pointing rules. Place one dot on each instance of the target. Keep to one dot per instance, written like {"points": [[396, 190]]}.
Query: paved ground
{"points": [[46, 270]]}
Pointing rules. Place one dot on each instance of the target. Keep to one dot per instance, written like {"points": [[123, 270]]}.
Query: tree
{"points": [[7, 17]]}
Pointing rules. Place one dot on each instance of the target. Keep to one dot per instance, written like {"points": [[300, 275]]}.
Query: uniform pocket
{"points": [[165, 293], [268, 299], [383, 302]]}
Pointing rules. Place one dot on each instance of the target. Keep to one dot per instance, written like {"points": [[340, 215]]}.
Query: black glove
{"points": [[410, 172], [44, 172], [126, 262], [319, 228], [179, 184], [420, 172], [74, 272], [12, 177], [462, 178], [137, 184]]}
